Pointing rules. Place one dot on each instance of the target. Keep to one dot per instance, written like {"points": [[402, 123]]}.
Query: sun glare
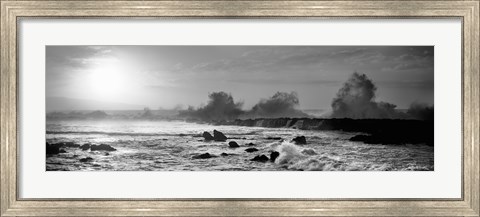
{"points": [[107, 83]]}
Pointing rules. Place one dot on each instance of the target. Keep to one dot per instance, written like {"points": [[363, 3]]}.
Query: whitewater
{"points": [[172, 146]]}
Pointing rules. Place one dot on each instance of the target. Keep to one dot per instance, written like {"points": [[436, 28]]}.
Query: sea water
{"points": [[171, 146]]}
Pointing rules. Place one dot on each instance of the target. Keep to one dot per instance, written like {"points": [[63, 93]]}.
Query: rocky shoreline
{"points": [[371, 131]]}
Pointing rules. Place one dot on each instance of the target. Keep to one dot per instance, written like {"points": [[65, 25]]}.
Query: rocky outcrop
{"points": [[52, 149], [87, 159], [219, 136], [250, 150], [233, 144], [85, 146], [203, 156], [250, 144], [260, 158], [274, 155], [102, 147], [300, 140], [70, 145], [380, 131], [274, 138], [207, 136]]}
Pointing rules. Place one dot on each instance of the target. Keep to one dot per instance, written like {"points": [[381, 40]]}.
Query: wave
{"points": [[118, 133], [138, 134], [294, 157]]}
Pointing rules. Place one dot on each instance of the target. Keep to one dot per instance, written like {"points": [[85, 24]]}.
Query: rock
{"points": [[52, 149], [87, 159], [233, 144], [207, 136], [274, 138], [250, 144], [85, 146], [274, 155], [102, 147], [300, 140], [219, 136], [224, 154], [309, 152], [203, 156], [62, 151], [260, 158], [250, 150], [70, 145], [106, 154]]}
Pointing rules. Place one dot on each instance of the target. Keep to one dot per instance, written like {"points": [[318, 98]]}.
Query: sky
{"points": [[177, 76]]}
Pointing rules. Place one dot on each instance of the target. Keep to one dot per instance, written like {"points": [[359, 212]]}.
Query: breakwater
{"points": [[374, 131]]}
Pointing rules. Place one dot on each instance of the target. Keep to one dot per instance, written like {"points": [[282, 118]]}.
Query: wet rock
{"points": [[85, 146], [260, 158], [102, 147], [203, 156], [250, 150], [70, 145], [274, 155], [219, 136], [52, 149], [207, 136], [274, 138], [233, 144], [250, 144], [300, 140], [87, 159], [309, 152], [224, 154]]}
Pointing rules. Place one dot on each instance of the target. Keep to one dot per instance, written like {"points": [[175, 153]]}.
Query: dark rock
{"points": [[106, 153], [300, 140], [52, 149], [70, 145], [250, 150], [203, 156], [309, 152], [378, 131], [207, 136], [62, 151], [224, 154], [87, 159], [260, 158], [274, 155], [85, 146], [233, 144], [250, 144], [219, 136], [274, 138], [102, 147]]}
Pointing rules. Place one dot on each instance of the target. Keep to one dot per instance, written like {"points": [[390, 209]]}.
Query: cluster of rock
{"points": [[374, 131], [57, 148], [263, 158], [220, 137]]}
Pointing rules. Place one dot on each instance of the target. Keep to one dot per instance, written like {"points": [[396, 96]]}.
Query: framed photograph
{"points": [[239, 108]]}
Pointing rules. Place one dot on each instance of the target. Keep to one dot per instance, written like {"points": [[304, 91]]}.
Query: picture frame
{"points": [[12, 11]]}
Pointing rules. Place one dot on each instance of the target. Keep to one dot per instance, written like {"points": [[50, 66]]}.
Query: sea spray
{"points": [[288, 153]]}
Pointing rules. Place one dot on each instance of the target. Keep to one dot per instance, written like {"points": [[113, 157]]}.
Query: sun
{"points": [[107, 82]]}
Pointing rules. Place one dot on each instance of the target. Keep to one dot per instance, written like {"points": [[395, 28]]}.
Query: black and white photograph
{"points": [[239, 108]]}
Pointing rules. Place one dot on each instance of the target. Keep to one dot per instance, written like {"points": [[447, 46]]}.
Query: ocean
{"points": [[172, 145]]}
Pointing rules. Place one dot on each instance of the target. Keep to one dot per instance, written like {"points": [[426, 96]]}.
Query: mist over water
{"points": [[356, 99], [222, 106], [281, 104]]}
